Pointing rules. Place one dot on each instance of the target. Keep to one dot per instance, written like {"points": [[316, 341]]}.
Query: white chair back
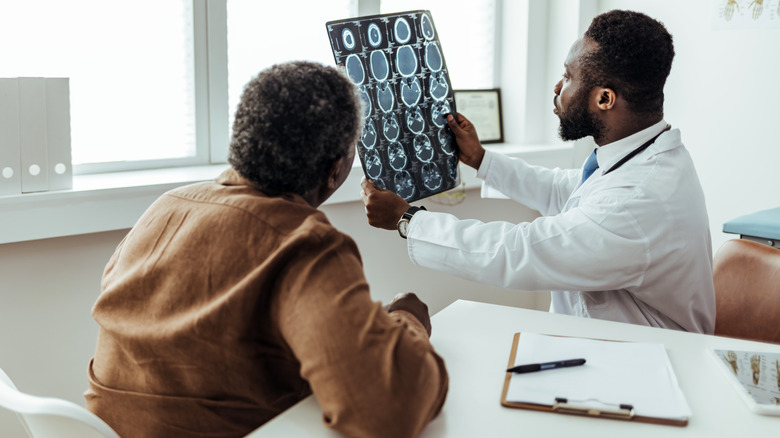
{"points": [[47, 417]]}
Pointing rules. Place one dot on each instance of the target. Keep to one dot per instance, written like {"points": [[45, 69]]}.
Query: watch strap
{"points": [[406, 218], [411, 211]]}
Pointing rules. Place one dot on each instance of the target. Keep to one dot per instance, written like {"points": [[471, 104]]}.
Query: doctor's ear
{"points": [[606, 99]]}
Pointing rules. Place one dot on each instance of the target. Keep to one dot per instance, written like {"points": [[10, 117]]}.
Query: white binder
{"points": [[32, 134], [10, 150], [58, 133]]}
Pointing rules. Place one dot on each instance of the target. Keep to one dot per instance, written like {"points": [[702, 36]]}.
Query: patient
{"points": [[231, 300]]}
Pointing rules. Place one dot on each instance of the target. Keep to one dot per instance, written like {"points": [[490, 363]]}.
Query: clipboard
{"points": [[562, 405]]}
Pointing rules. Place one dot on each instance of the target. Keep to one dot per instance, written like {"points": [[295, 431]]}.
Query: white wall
{"points": [[47, 288]]}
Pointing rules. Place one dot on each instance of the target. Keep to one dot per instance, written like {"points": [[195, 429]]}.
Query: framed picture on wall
{"points": [[483, 109]]}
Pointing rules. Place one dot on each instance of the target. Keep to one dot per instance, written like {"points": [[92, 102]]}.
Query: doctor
{"points": [[625, 238]]}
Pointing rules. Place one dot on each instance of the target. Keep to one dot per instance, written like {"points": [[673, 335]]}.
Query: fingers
{"points": [[460, 126], [383, 207], [453, 124], [458, 123], [367, 185], [411, 303]]}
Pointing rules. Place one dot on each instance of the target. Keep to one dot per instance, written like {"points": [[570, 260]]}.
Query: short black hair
{"points": [[634, 58], [293, 122]]}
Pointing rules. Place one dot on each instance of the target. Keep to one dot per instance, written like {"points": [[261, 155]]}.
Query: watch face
{"points": [[403, 227]]}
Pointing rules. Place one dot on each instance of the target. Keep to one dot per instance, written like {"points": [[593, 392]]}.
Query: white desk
{"points": [[475, 339]]}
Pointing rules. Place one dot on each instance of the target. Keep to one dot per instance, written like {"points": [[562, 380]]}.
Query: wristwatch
{"points": [[403, 223]]}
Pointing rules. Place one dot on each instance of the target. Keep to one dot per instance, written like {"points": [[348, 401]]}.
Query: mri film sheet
{"points": [[396, 61]]}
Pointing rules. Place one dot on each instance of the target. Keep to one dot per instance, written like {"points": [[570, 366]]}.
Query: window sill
{"points": [[114, 201]]}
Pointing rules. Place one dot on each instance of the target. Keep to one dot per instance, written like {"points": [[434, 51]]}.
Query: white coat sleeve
{"points": [[542, 189], [570, 251]]}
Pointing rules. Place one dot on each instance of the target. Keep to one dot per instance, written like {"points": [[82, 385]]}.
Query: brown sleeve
{"points": [[374, 374]]}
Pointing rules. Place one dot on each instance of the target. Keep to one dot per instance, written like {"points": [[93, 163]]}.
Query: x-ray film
{"points": [[397, 62]]}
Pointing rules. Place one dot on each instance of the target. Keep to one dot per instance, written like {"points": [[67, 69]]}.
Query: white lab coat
{"points": [[633, 245]]}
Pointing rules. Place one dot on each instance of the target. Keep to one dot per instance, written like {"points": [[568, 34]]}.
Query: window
{"points": [[467, 31], [155, 83], [130, 65], [260, 35]]}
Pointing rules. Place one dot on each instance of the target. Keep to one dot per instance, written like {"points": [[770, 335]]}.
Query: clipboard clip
{"points": [[623, 412]]}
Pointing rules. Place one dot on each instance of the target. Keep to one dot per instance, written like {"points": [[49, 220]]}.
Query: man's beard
{"points": [[577, 122]]}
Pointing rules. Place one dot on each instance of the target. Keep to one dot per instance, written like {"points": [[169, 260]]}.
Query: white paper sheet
{"points": [[615, 373]]}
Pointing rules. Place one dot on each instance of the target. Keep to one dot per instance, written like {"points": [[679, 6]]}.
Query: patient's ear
{"points": [[336, 176]]}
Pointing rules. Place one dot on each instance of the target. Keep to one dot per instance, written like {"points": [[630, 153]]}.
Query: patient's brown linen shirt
{"points": [[223, 307]]}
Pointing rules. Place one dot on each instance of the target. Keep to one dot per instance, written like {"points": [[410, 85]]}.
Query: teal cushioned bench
{"points": [[762, 226]]}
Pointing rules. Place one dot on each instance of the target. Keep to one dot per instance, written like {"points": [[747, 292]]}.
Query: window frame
{"points": [[211, 96], [211, 89]]}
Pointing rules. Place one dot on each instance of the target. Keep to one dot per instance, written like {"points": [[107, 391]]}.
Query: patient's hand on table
{"points": [[412, 304]]}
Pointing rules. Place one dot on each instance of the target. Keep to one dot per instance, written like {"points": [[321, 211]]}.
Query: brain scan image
{"points": [[403, 32], [439, 87], [355, 69], [397, 156], [390, 127], [439, 111], [385, 99], [406, 61], [426, 26], [422, 148], [446, 141], [380, 68], [404, 186], [373, 164], [374, 35], [366, 101], [431, 176], [452, 167], [397, 62], [411, 91], [368, 137], [433, 57], [348, 38], [414, 120]]}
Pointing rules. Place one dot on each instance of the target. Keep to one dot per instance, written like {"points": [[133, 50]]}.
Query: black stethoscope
{"points": [[636, 151]]}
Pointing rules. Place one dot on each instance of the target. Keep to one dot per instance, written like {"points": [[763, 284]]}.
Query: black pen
{"points": [[531, 367]]}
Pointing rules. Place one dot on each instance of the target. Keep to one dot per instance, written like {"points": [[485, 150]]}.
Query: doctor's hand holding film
{"points": [[471, 150], [383, 207]]}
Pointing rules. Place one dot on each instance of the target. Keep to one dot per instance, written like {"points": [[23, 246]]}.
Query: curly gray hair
{"points": [[293, 122]]}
